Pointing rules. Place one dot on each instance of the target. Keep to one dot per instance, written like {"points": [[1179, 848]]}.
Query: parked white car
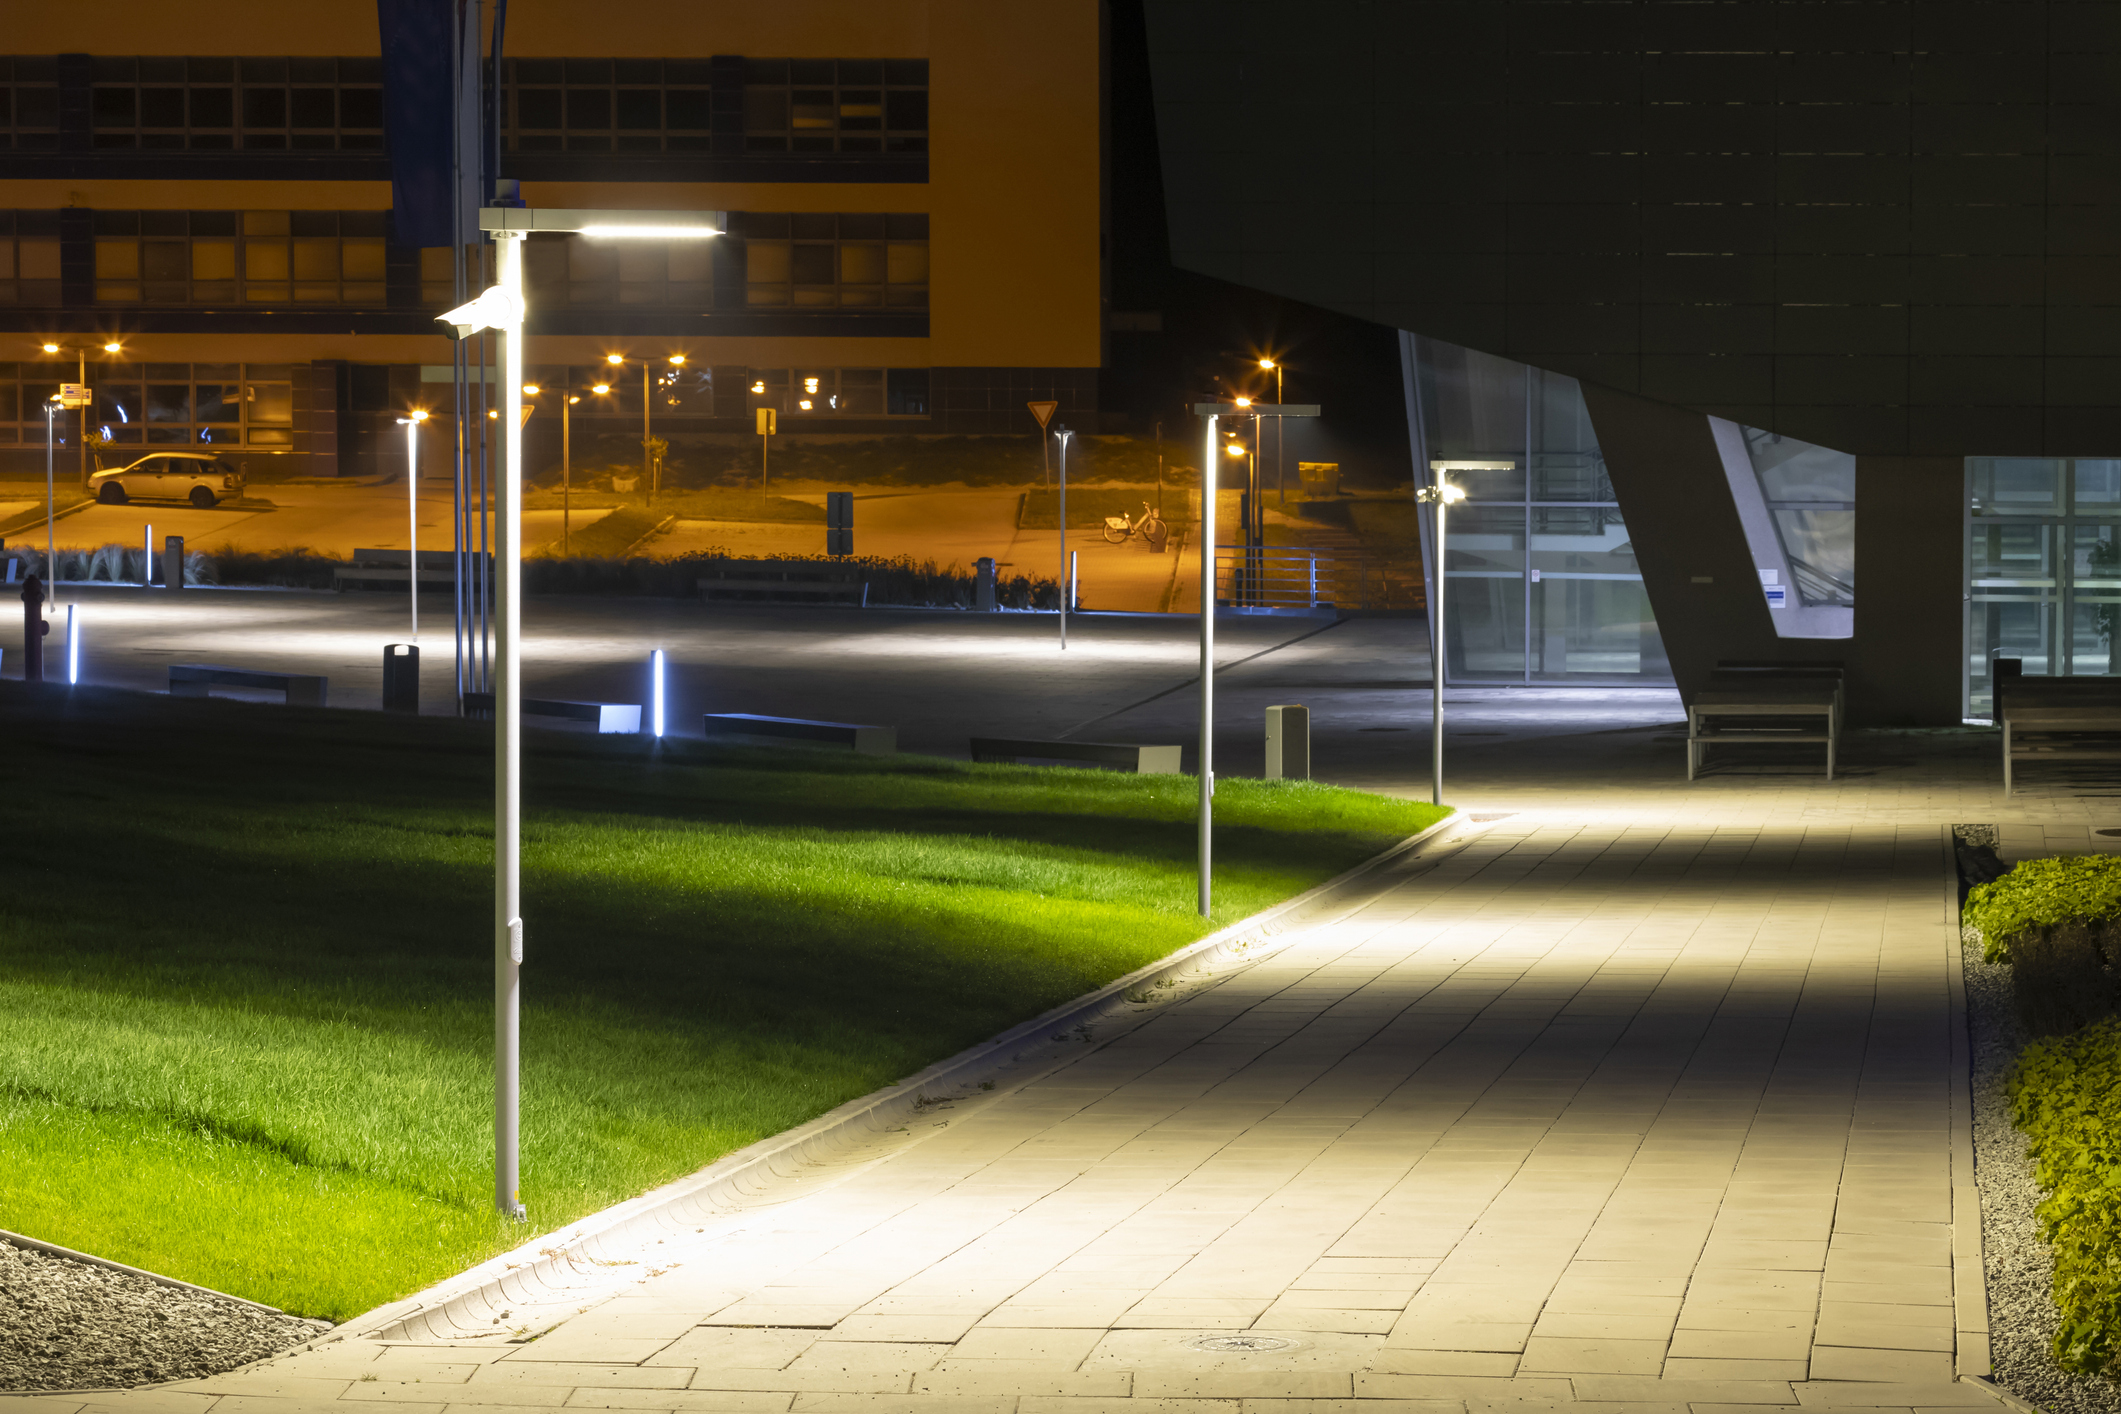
{"points": [[198, 477]]}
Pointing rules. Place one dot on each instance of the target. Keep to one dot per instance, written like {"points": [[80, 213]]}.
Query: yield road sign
{"points": [[1042, 411]]}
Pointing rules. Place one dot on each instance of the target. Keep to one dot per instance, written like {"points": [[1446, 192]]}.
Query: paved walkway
{"points": [[1645, 1096], [1605, 1113]]}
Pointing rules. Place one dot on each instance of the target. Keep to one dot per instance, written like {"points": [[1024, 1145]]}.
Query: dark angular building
{"points": [[1750, 293]]}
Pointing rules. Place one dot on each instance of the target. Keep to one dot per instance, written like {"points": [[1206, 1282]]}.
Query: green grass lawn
{"points": [[246, 971]]}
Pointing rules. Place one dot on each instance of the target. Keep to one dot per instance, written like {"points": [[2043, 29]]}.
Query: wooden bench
{"points": [[801, 731], [800, 579], [2056, 719], [1763, 704], [395, 567], [608, 716], [198, 679], [1143, 760]]}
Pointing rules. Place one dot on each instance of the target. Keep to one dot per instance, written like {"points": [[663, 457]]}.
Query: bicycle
{"points": [[1119, 529]]}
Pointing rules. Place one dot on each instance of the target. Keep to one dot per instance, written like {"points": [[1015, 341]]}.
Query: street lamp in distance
{"points": [[1442, 495], [411, 422], [81, 352]]}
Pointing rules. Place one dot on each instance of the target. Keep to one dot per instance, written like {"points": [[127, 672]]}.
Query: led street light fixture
{"points": [[496, 308]]}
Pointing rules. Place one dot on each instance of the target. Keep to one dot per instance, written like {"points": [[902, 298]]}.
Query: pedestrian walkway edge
{"points": [[557, 1265], [1970, 1341]]}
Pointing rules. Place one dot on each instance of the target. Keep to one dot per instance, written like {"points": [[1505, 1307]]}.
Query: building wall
{"points": [[1010, 186], [1889, 228]]}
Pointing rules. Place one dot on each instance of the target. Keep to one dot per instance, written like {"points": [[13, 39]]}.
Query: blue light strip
{"points": [[655, 668]]}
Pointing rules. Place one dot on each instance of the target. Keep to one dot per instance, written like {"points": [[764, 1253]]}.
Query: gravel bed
{"points": [[71, 1325], [2021, 1313]]}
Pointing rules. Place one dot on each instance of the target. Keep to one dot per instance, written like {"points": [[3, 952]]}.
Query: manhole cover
{"points": [[1239, 1344]]}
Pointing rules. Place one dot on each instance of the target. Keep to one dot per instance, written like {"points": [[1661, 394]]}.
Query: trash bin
{"points": [[983, 586], [401, 677]]}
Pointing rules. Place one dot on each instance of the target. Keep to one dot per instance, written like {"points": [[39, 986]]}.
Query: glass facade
{"points": [[1541, 585], [2043, 568], [1811, 498]]}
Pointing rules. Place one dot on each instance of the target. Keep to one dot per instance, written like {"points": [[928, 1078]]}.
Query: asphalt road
{"points": [[938, 676]]}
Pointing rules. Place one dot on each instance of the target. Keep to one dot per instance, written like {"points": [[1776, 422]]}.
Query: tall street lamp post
{"points": [[1441, 495], [80, 352], [502, 308], [1063, 434], [1212, 413], [412, 510], [651, 471], [1281, 481]]}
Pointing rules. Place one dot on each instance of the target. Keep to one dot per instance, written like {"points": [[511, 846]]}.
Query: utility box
{"points": [[839, 522], [401, 677], [1288, 743], [173, 562], [983, 596]]}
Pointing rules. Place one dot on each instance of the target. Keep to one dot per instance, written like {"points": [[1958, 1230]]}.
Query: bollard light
{"points": [[655, 691]]}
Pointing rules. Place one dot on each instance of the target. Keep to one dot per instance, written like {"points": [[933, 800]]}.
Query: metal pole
{"points": [[646, 472], [412, 516], [51, 436], [147, 562], [1207, 665], [566, 466], [508, 752], [1063, 434], [85, 408], [1436, 657]]}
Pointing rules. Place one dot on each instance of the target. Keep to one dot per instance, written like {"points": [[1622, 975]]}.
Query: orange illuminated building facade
{"points": [[915, 192]]}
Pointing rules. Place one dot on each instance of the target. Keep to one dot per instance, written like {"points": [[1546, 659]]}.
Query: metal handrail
{"points": [[1291, 576]]}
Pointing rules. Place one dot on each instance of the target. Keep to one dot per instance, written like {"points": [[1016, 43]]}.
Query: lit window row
{"points": [[174, 404], [240, 257]]}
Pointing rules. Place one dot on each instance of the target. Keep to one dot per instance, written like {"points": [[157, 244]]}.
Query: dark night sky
{"points": [[1211, 328]]}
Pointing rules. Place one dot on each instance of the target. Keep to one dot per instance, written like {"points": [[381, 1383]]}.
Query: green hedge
{"points": [[2042, 892], [2066, 1096]]}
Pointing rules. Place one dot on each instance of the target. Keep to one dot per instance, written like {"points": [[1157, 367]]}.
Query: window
{"points": [[841, 392], [29, 258], [240, 257], [580, 270], [607, 105], [821, 260], [1543, 580], [156, 404], [836, 105], [908, 396], [256, 104], [2043, 581], [662, 105], [29, 102]]}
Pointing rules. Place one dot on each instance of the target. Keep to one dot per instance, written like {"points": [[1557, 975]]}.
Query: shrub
{"points": [[299, 568], [2042, 893], [2066, 1096]]}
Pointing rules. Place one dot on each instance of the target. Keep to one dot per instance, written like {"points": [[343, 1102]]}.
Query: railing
{"points": [[1303, 577]]}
